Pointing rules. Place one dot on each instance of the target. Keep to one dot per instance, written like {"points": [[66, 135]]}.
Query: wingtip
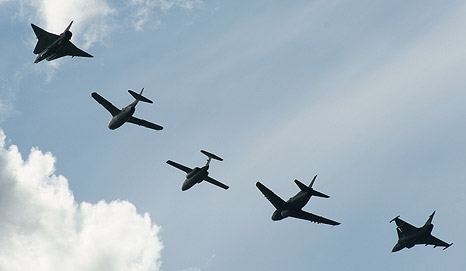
{"points": [[394, 219]]}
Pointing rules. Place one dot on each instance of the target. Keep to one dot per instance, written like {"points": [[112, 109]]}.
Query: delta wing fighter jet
{"points": [[293, 207], [126, 113], [197, 175], [409, 236], [50, 46]]}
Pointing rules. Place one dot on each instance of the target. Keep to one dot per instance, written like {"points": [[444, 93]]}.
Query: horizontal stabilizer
{"points": [[211, 155], [139, 97], [313, 192]]}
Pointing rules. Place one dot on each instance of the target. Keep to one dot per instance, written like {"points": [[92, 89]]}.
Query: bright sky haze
{"points": [[368, 95]]}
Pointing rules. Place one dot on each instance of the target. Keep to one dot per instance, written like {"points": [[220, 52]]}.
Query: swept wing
{"points": [[45, 39], [180, 167], [108, 105], [215, 182], [312, 217], [69, 49], [432, 240], [276, 201], [403, 226], [145, 123]]}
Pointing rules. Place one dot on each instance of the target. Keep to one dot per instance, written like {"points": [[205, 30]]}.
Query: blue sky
{"points": [[369, 95]]}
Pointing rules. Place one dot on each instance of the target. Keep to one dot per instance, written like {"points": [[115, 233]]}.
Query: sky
{"points": [[368, 95]]}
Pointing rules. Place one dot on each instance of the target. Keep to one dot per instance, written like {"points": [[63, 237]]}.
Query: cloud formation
{"points": [[96, 17], [42, 227]]}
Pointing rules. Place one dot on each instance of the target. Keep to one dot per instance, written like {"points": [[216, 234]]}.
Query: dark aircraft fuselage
{"points": [[197, 175], [295, 203], [125, 114], [52, 50], [410, 240]]}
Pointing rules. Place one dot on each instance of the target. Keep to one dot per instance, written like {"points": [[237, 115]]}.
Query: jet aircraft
{"points": [[197, 175], [293, 207], [408, 235], [50, 46], [126, 113]]}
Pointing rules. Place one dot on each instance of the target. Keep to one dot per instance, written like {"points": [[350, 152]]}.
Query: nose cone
{"points": [[397, 247], [186, 185], [277, 215], [114, 123], [38, 59]]}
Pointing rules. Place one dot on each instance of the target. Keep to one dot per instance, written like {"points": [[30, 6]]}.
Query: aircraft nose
{"points": [[185, 186], [397, 247]]}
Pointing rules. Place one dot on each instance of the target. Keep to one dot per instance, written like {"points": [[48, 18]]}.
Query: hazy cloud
{"points": [[42, 227], [96, 17]]}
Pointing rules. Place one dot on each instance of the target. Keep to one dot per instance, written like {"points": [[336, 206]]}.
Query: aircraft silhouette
{"points": [[197, 175], [409, 236], [293, 206], [50, 46], [126, 113]]}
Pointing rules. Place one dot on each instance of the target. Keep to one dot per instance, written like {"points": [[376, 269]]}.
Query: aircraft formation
{"points": [[51, 46]]}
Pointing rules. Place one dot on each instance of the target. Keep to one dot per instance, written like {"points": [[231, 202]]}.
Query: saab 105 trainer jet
{"points": [[409, 236], [126, 113], [293, 207], [50, 46], [197, 175]]}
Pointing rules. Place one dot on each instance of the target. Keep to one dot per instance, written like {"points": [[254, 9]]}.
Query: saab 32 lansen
{"points": [[51, 46], [293, 207], [197, 175], [126, 113]]}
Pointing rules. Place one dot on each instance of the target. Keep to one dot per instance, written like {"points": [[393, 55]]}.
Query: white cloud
{"points": [[207, 265], [43, 228], [145, 9], [96, 17]]}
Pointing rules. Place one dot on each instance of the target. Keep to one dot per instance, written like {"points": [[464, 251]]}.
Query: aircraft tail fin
{"points": [[429, 220], [309, 189], [139, 96], [68, 28]]}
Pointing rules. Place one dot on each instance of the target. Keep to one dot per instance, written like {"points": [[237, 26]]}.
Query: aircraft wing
{"points": [[215, 182], [314, 218], [276, 201], [108, 105], [180, 167], [69, 49], [403, 226], [45, 39], [432, 240], [145, 123]]}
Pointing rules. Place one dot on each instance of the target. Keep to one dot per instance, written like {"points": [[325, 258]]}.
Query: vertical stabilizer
{"points": [[429, 220], [309, 189]]}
